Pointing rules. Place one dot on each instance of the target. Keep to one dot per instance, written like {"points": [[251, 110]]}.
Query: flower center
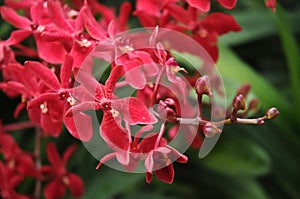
{"points": [[71, 100], [44, 108]]}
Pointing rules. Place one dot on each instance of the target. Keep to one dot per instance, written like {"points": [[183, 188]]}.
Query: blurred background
{"points": [[248, 162]]}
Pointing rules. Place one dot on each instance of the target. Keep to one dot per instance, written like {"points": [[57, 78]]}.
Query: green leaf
{"points": [[233, 69], [238, 156], [243, 188], [150, 195], [5, 28], [254, 24], [109, 182], [292, 53]]}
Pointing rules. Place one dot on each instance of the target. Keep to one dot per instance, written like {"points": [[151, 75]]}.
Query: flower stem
{"points": [[157, 85], [18, 126], [199, 121], [38, 164], [200, 105], [161, 132]]}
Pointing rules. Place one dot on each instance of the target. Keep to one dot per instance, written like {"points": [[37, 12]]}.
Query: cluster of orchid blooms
{"points": [[56, 86]]}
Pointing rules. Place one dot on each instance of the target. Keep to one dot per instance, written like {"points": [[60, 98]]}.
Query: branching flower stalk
{"points": [[56, 86]]}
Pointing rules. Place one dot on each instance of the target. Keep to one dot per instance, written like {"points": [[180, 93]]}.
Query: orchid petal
{"points": [[149, 163], [136, 81], [52, 52], [145, 19], [46, 97], [176, 155], [179, 13], [125, 11], [110, 83], [65, 71], [46, 75], [55, 189], [81, 107], [148, 143], [150, 7], [203, 5], [17, 36], [93, 28], [53, 155], [229, 4], [149, 177], [115, 136], [57, 15], [36, 11], [51, 125], [91, 85], [134, 111], [123, 157], [67, 154], [79, 126], [166, 174], [12, 17], [220, 23], [76, 185]]}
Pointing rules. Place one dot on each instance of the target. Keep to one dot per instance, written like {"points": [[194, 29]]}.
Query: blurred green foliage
{"points": [[248, 162]]}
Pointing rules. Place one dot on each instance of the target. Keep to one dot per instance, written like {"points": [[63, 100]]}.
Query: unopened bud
{"points": [[210, 130], [244, 90], [202, 86], [167, 109], [253, 105], [272, 113], [239, 103]]}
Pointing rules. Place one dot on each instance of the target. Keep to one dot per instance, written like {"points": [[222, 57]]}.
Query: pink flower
{"points": [[59, 176]]}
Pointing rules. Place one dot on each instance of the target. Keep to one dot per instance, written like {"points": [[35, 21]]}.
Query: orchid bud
{"points": [[244, 90], [253, 104], [272, 113], [210, 130], [167, 109], [203, 87], [239, 103]]}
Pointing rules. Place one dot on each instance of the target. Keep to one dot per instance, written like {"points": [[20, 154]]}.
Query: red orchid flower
{"points": [[206, 31], [132, 109], [48, 108], [109, 15], [51, 51], [160, 161], [9, 181], [16, 159], [210, 28], [59, 176], [72, 31], [271, 4], [137, 62], [158, 157]]}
